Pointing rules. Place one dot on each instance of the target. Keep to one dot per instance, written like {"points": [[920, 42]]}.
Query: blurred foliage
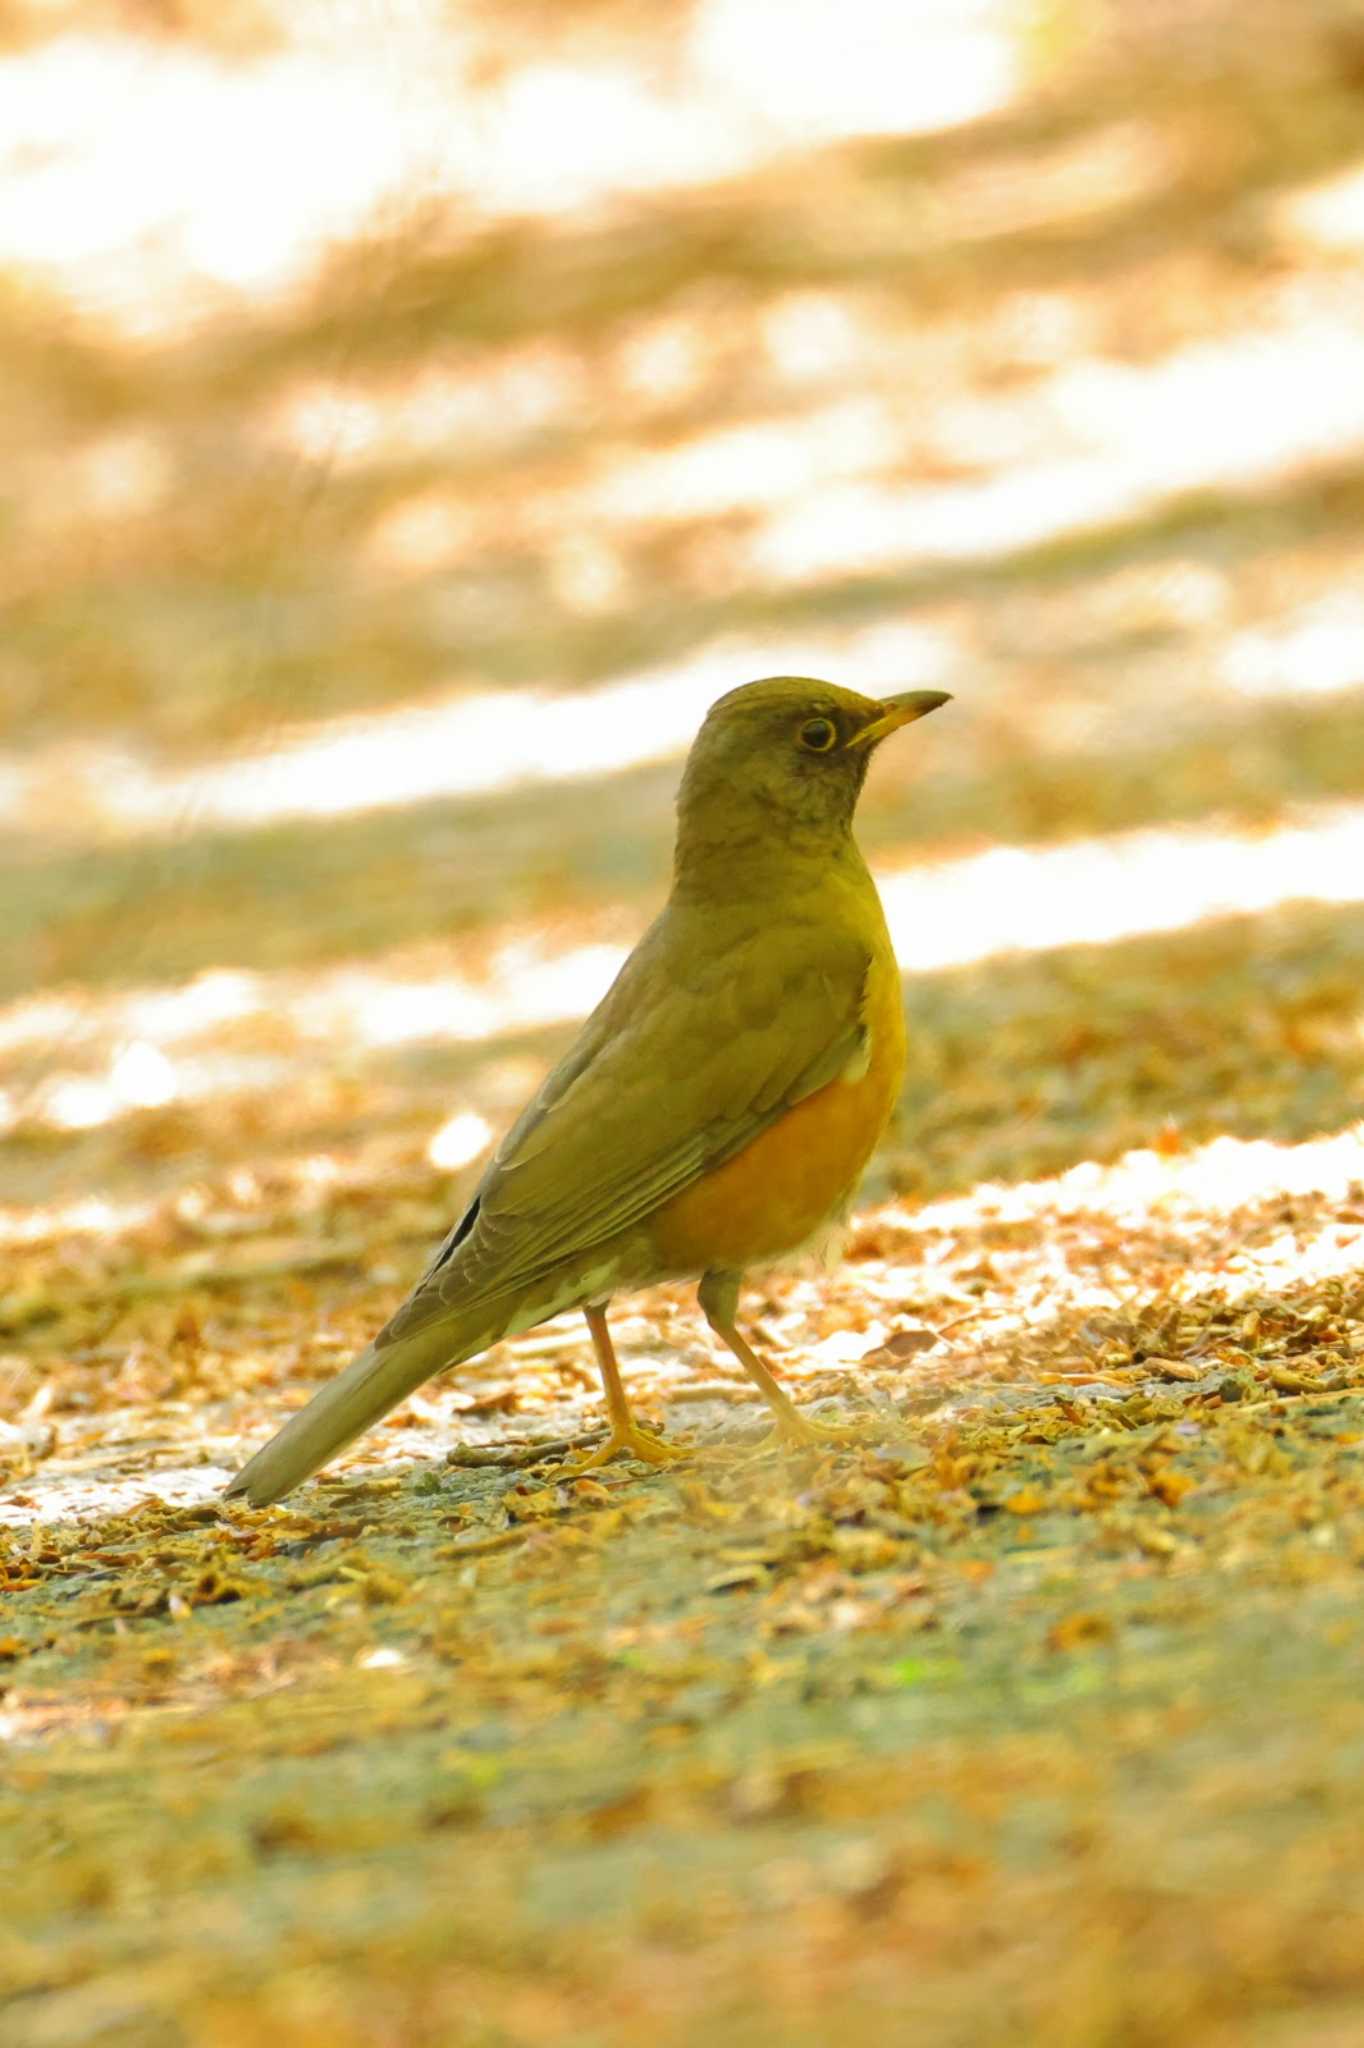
{"points": [[231, 28]]}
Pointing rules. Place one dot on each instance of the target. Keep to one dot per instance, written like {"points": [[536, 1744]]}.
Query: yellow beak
{"points": [[898, 711]]}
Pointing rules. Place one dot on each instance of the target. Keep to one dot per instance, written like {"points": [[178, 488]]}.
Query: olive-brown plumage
{"points": [[719, 1105]]}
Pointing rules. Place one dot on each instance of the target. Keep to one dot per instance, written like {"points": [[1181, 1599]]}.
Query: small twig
{"points": [[510, 1457], [1317, 1394]]}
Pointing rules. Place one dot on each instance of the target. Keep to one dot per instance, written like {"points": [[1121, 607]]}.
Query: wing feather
{"points": [[694, 1050]]}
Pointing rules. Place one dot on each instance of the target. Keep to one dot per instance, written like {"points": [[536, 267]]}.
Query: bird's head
{"points": [[785, 757]]}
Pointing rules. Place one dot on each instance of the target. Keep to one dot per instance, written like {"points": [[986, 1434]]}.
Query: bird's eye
{"points": [[817, 735]]}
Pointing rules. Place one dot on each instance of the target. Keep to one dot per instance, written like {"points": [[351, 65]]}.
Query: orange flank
{"points": [[775, 1194]]}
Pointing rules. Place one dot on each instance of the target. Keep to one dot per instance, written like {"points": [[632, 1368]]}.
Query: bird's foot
{"points": [[628, 1440], [793, 1431]]}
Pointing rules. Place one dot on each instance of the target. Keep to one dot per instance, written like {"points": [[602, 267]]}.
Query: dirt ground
{"points": [[1033, 1715]]}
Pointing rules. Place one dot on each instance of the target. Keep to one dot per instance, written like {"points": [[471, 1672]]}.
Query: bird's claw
{"points": [[628, 1440], [793, 1431]]}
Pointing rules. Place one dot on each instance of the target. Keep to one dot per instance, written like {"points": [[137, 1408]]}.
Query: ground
{"points": [[351, 643]]}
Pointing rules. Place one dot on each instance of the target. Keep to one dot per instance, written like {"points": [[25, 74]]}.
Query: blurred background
{"points": [[415, 414]]}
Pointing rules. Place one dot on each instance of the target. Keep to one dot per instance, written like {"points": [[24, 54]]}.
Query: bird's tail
{"points": [[381, 1377]]}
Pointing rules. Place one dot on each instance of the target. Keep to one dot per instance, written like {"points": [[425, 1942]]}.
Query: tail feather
{"points": [[369, 1387]]}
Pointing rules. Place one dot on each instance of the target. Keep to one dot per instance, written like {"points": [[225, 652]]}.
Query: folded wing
{"points": [[679, 1067]]}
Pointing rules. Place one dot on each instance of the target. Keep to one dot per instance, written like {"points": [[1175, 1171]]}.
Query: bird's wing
{"points": [[693, 1052]]}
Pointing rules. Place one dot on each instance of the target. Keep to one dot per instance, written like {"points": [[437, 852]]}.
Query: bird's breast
{"points": [[778, 1192]]}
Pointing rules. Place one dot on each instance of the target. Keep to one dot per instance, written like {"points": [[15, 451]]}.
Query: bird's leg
{"points": [[718, 1295], [625, 1439]]}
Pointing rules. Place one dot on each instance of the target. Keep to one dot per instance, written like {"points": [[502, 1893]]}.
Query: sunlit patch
{"points": [[72, 1101], [1288, 1261], [91, 1216], [586, 575], [325, 422], [161, 1016], [72, 1497], [458, 748], [942, 914], [97, 216], [526, 987], [318, 1171], [818, 72], [428, 531], [349, 423], [665, 359], [752, 465], [1171, 596], [77, 1103], [1328, 217], [459, 1141], [1036, 330], [1218, 1178], [1099, 891], [143, 1076], [461, 746], [625, 134], [1125, 437], [473, 744], [813, 337], [1115, 168], [394, 111], [1314, 652], [1183, 1197], [118, 476], [140, 1076]]}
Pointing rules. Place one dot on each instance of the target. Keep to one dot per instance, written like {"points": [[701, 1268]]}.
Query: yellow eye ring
{"points": [[819, 735]]}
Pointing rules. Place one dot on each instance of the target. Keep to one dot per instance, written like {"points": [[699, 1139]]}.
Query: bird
{"points": [[718, 1107]]}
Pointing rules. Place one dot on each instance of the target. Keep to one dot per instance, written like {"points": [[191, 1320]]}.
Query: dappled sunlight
{"points": [[1121, 439], [350, 425], [1316, 651], [1149, 1186], [477, 743], [1113, 169], [406, 110], [525, 987], [140, 1077], [99, 219], [1212, 1219], [93, 1216], [526, 460], [1328, 217], [114, 477], [80, 1102], [833, 490], [749, 466], [460, 1140], [1014, 1287], [940, 62], [156, 1046], [470, 744], [1096, 892]]}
